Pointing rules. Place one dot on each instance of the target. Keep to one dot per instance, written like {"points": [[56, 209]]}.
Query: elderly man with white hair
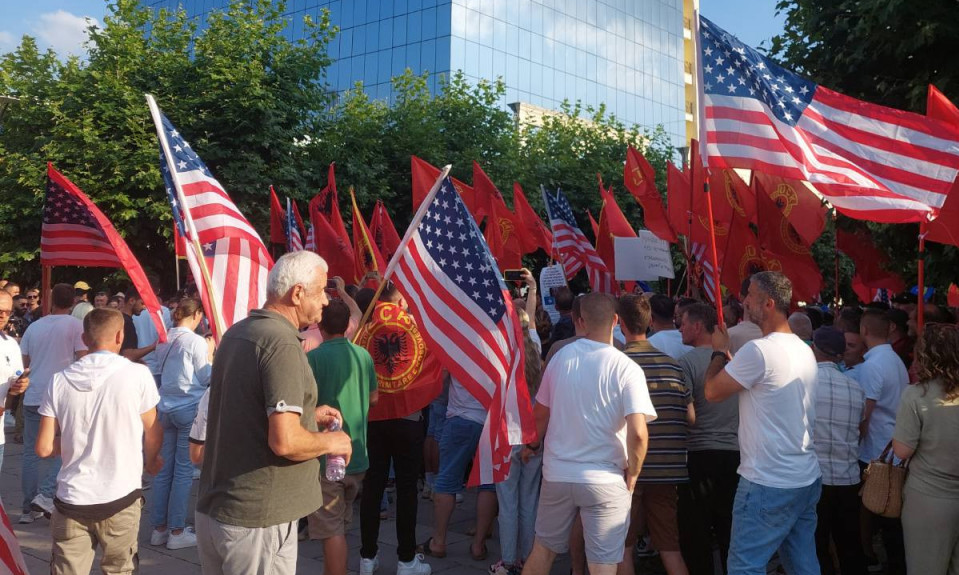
{"points": [[260, 469]]}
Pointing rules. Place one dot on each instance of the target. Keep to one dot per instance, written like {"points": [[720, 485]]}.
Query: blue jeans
{"points": [[36, 476], [766, 519], [518, 497], [171, 488], [1, 455]]}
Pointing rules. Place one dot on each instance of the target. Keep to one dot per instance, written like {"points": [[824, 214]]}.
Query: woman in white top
{"points": [[185, 362]]}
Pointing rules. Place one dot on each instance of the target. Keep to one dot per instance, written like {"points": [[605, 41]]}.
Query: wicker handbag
{"points": [[882, 488]]}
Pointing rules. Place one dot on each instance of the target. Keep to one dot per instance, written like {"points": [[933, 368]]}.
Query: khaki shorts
{"points": [[657, 503], [604, 509], [335, 516]]}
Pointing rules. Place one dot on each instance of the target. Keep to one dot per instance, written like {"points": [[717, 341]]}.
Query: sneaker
{"points": [[499, 568], [43, 504], [159, 537], [414, 567], [459, 498], [186, 538], [368, 566], [427, 492], [873, 565], [29, 517]]}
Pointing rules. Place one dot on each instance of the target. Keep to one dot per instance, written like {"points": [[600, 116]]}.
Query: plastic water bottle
{"points": [[335, 464]]}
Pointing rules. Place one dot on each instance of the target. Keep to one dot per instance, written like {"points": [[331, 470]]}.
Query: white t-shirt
{"points": [[777, 411], [590, 388], [97, 402], [463, 404], [51, 343], [198, 429], [883, 377], [670, 342], [11, 362]]}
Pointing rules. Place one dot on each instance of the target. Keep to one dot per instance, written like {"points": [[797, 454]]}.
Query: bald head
{"points": [[103, 330], [6, 305], [597, 316]]}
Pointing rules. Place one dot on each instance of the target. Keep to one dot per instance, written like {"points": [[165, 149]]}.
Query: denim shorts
{"points": [[457, 448], [437, 421]]}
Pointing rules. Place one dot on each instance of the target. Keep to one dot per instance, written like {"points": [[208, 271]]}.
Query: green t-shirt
{"points": [[259, 369], [345, 378], [929, 423]]}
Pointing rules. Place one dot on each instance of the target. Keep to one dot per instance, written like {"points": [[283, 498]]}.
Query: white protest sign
{"points": [[643, 258], [551, 277]]}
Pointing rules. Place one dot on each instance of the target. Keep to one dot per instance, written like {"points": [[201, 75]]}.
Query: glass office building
{"points": [[627, 54]]}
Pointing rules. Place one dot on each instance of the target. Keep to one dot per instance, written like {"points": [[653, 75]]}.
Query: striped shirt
{"points": [[839, 406], [666, 457]]}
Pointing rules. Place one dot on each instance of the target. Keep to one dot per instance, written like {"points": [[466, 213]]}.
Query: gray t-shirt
{"points": [[927, 422], [259, 369], [717, 424]]}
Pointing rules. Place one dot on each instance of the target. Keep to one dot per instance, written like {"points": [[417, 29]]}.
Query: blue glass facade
{"points": [[627, 54]]}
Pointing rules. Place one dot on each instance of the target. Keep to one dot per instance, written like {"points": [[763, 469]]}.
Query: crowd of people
{"points": [[660, 430]]}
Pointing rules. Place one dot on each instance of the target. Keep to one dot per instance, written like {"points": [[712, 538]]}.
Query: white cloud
{"points": [[6, 41], [63, 31]]}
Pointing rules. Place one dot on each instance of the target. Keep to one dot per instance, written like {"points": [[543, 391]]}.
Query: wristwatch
{"points": [[722, 354]]}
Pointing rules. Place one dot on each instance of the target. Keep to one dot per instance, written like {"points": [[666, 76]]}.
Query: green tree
{"points": [[886, 52], [238, 89]]}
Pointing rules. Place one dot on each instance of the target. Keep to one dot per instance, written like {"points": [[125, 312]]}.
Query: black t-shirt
{"points": [[129, 334]]}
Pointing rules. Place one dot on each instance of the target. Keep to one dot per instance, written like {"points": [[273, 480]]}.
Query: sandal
{"points": [[426, 549]]}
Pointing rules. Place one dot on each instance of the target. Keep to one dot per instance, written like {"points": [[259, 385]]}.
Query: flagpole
{"points": [[835, 247], [289, 234], [920, 311], [394, 261], [45, 294], [718, 295], [188, 218]]}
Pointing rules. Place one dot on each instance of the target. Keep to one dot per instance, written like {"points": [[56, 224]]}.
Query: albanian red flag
{"points": [[277, 217], [501, 225], [383, 232], [533, 233], [640, 180], [407, 373]]}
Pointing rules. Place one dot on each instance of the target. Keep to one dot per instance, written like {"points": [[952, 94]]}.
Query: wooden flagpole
{"points": [[394, 261], [45, 289], [835, 252], [921, 310], [188, 219]]}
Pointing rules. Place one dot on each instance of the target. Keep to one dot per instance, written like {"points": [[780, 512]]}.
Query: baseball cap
{"points": [[829, 340], [82, 285]]}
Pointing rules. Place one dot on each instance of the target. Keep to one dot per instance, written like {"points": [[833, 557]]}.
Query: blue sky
{"points": [[61, 23], [752, 21]]}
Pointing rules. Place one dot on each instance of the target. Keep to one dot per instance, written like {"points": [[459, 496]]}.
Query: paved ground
{"points": [[35, 538]]}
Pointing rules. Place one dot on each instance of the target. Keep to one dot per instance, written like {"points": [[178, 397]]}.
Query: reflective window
{"points": [[627, 54]]}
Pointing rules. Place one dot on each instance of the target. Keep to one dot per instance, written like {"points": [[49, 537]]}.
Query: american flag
{"points": [[234, 255], [574, 249], [310, 240], [294, 242], [869, 161], [76, 233], [700, 253], [466, 316], [11, 559]]}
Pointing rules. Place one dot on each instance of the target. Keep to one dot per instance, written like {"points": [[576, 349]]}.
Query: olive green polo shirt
{"points": [[259, 368]]}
